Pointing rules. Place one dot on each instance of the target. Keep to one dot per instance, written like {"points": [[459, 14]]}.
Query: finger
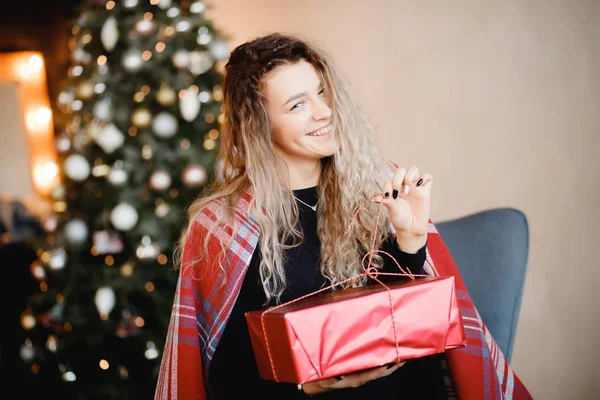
{"points": [[387, 188], [331, 382], [397, 181], [391, 368], [410, 178], [358, 374], [370, 374], [424, 180], [347, 381], [375, 374], [359, 378], [356, 379]]}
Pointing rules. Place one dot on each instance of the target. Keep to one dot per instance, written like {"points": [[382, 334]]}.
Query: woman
{"points": [[298, 160]]}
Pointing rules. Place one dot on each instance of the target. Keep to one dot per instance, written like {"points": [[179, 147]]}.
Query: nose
{"points": [[321, 111]]}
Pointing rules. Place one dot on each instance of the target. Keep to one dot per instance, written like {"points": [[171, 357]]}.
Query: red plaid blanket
{"points": [[202, 306]]}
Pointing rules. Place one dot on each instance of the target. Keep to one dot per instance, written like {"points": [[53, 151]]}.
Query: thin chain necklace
{"points": [[314, 208]]}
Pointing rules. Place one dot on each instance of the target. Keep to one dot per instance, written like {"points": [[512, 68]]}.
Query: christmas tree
{"points": [[137, 134]]}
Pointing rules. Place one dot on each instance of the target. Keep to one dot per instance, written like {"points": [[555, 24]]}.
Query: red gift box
{"points": [[335, 333]]}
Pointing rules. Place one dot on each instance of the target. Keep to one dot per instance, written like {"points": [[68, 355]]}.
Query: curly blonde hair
{"points": [[249, 163]]}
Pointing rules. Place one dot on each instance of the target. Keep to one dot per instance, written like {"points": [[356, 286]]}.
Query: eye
{"points": [[297, 104]]}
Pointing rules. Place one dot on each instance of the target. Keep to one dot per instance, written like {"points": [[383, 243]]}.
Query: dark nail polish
{"points": [[420, 182], [395, 193], [387, 194]]}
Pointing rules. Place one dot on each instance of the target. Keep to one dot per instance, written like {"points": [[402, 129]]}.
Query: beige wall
{"points": [[15, 178], [499, 101], [15, 170]]}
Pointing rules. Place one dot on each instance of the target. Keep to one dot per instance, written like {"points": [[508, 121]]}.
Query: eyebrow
{"points": [[296, 96]]}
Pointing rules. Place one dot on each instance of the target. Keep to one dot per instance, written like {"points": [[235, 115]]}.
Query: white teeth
{"points": [[322, 131]]}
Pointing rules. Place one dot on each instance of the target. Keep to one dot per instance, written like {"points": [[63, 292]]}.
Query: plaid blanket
{"points": [[202, 306]]}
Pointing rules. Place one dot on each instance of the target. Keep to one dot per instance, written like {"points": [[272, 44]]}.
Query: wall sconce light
{"points": [[27, 70]]}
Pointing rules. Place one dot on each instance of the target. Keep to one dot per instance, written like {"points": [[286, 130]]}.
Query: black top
{"points": [[233, 372]]}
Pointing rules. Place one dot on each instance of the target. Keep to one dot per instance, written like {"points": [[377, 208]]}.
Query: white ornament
{"points": [[27, 353], [63, 143], [50, 223], [76, 231], [162, 210], [69, 376], [147, 250], [164, 125], [124, 216], [164, 4], [132, 60], [194, 176], [130, 3], [189, 105], [102, 110], [151, 351], [37, 271], [81, 56], [220, 49], [181, 58], [66, 99], [58, 258], [117, 176], [80, 141], [182, 26], [197, 7], [200, 62], [77, 167], [110, 138], [99, 88], [145, 26], [52, 343], [173, 12], [204, 96], [109, 35], [105, 300], [160, 180]]}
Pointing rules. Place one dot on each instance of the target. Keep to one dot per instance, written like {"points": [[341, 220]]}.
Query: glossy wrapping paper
{"points": [[335, 333]]}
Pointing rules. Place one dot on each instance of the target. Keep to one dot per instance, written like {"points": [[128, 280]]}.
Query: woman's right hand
{"points": [[352, 380]]}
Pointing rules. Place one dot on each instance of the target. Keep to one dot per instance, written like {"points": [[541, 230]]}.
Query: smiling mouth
{"points": [[321, 131]]}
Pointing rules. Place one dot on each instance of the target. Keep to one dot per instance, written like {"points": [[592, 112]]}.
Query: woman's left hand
{"points": [[409, 206]]}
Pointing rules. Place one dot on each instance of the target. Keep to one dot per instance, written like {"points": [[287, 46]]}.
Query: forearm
{"points": [[411, 244], [411, 261]]}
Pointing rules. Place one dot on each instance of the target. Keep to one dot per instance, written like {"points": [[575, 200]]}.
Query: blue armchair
{"points": [[491, 249]]}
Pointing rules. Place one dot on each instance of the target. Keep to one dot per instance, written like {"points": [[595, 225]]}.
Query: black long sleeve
{"points": [[233, 367], [410, 262]]}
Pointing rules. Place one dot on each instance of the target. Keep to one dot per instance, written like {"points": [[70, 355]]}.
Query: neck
{"points": [[304, 175]]}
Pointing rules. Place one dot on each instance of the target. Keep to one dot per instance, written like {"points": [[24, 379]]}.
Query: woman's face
{"points": [[299, 106]]}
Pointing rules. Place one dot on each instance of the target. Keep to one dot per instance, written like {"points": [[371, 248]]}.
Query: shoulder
{"points": [[220, 212]]}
